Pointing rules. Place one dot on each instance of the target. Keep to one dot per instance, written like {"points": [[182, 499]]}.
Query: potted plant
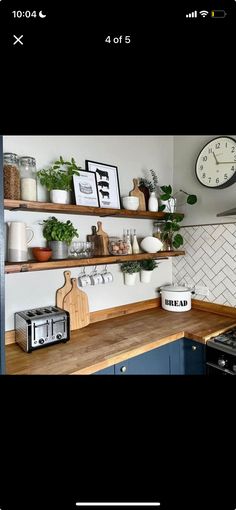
{"points": [[147, 267], [149, 186], [170, 235], [59, 235], [130, 269], [170, 198], [58, 179]]}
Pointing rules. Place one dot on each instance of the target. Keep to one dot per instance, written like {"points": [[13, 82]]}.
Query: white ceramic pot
{"points": [[151, 244], [153, 202], [59, 196], [130, 203], [130, 279], [145, 276], [175, 298]]}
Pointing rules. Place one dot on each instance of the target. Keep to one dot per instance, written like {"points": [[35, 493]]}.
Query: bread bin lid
{"points": [[175, 288]]}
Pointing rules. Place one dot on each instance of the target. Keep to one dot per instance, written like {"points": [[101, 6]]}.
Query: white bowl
{"points": [[130, 203], [151, 244]]}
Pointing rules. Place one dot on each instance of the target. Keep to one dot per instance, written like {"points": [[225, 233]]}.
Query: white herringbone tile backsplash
{"points": [[210, 261]]}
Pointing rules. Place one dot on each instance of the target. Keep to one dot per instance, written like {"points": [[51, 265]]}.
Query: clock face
{"points": [[216, 163]]}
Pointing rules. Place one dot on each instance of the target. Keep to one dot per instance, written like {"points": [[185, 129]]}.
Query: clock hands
{"points": [[217, 162]]}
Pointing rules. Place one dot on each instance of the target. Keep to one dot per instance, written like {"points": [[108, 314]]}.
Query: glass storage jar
{"points": [[158, 230], [11, 176], [28, 178]]}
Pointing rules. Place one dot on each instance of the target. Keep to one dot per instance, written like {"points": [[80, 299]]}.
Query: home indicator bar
{"points": [[120, 504]]}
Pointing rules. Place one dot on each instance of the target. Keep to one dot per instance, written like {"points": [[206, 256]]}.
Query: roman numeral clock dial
{"points": [[216, 163]]}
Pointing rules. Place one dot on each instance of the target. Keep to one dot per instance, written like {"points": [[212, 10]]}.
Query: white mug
{"points": [[18, 242]]}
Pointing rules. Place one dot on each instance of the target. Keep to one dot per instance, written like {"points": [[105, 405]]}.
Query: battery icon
{"points": [[218, 14]]}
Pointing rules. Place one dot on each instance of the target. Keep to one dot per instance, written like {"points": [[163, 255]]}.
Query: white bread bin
{"points": [[176, 298]]}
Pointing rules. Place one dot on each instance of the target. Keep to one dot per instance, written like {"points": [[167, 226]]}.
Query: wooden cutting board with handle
{"points": [[76, 303], [137, 193], [100, 240], [61, 293]]}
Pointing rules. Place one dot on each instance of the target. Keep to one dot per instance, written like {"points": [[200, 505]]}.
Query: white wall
{"points": [[210, 201], [132, 155]]}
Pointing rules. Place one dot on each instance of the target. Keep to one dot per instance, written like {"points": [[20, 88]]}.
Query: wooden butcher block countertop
{"points": [[105, 343]]}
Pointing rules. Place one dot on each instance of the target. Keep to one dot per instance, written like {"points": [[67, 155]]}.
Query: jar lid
{"points": [[27, 160], [175, 288], [11, 156]]}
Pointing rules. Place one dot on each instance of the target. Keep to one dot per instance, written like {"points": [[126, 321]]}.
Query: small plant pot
{"points": [[59, 196], [130, 279], [145, 276], [59, 250], [42, 254]]}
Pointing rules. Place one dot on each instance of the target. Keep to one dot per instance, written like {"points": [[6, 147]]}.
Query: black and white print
{"points": [[107, 183], [85, 186]]}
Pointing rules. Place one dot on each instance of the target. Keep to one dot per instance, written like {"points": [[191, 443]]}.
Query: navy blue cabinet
{"points": [[181, 357], [192, 357], [155, 362]]}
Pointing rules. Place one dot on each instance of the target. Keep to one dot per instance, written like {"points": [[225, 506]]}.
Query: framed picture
{"points": [[107, 183], [85, 187]]}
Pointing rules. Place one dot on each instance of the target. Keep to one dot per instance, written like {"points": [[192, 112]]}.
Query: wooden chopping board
{"points": [[76, 303], [137, 193], [100, 240], [61, 293]]}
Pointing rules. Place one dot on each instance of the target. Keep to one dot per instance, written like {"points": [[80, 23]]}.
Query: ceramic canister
{"points": [[175, 298]]}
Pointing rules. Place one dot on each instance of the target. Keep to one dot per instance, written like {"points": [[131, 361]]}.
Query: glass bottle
{"points": [[129, 243], [135, 245], [11, 176], [28, 178]]}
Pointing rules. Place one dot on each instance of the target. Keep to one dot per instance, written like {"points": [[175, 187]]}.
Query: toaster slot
{"points": [[37, 331]]}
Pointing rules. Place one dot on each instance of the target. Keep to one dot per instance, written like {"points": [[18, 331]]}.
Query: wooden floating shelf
{"points": [[22, 205], [32, 265]]}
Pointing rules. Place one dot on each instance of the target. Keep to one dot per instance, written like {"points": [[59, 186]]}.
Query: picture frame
{"points": [[107, 183], [85, 189]]}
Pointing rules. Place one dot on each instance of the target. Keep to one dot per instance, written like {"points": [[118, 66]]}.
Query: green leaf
{"points": [[162, 207], [167, 189], [192, 199], [178, 241], [165, 197]]}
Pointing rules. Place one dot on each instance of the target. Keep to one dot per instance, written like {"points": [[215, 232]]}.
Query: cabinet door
{"points": [[106, 371], [175, 362], [192, 357], [155, 362]]}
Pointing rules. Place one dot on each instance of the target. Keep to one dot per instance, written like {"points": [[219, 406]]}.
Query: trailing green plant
{"points": [[148, 265], [168, 193], [130, 267], [55, 230], [150, 182], [171, 228], [59, 175]]}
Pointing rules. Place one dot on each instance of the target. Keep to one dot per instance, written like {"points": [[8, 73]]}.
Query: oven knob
{"points": [[41, 341], [221, 362], [59, 336]]}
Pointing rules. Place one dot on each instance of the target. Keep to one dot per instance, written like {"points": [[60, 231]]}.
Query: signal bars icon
{"points": [[192, 14]]}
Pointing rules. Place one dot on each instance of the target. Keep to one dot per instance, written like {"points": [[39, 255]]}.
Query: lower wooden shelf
{"points": [[32, 265]]}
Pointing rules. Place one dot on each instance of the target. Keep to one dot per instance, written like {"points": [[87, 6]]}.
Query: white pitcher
{"points": [[17, 241]]}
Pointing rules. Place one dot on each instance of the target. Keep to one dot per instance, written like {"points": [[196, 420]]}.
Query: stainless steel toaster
{"points": [[40, 327]]}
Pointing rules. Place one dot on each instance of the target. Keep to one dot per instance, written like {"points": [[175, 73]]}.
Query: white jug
{"points": [[17, 241]]}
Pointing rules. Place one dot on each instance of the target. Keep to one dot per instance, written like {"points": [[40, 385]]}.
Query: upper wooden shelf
{"points": [[22, 205], [32, 265]]}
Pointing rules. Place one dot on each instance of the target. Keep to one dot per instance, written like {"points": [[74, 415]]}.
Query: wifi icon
{"points": [[203, 13]]}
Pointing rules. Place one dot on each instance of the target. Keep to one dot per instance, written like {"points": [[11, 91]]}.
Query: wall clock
{"points": [[216, 163]]}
